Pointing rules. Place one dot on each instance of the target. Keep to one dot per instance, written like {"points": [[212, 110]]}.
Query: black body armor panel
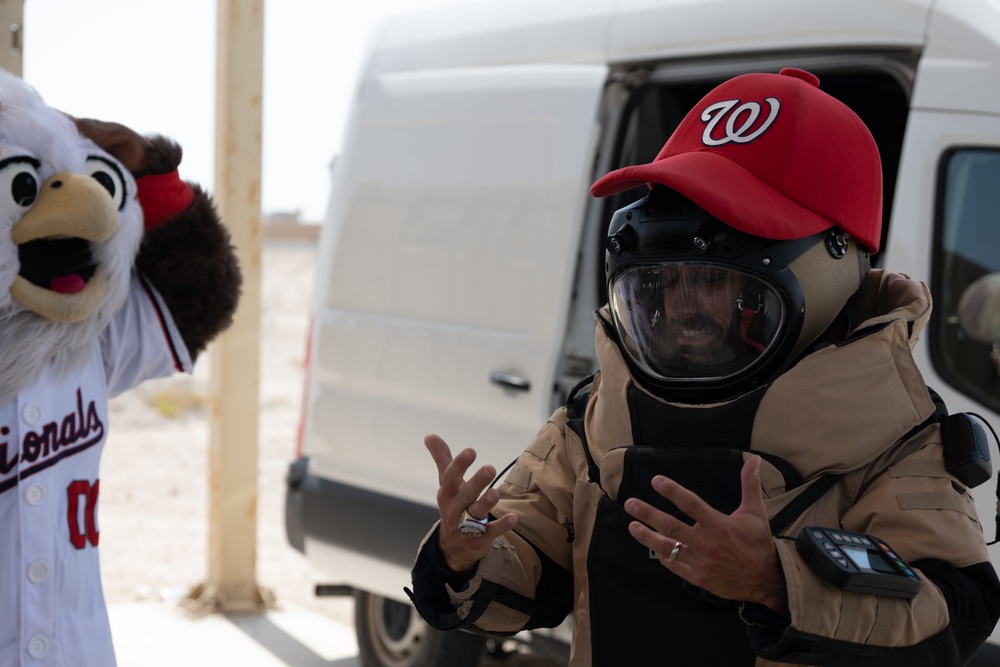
{"points": [[641, 613]]}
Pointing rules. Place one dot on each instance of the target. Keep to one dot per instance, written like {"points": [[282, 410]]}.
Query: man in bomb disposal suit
{"points": [[755, 378]]}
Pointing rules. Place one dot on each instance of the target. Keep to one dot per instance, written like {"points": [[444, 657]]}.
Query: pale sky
{"points": [[150, 64]]}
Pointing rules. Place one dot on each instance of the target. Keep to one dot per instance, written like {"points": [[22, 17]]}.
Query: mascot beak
{"points": [[59, 278]]}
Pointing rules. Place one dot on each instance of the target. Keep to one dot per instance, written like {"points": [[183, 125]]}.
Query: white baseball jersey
{"points": [[52, 611]]}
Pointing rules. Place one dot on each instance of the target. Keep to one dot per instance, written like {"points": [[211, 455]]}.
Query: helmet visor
{"points": [[694, 322]]}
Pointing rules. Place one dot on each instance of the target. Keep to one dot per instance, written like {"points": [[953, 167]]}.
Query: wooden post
{"points": [[12, 36], [233, 457]]}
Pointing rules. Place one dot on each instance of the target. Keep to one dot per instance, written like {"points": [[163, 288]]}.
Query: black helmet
{"points": [[703, 312]]}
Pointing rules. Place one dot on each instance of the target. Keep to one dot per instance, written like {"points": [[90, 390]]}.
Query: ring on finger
{"points": [[471, 526], [675, 551]]}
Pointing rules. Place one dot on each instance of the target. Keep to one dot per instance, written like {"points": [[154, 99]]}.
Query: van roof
{"points": [[495, 32]]}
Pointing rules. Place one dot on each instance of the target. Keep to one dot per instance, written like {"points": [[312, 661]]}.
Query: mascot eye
{"points": [[109, 176], [18, 185], [24, 188]]}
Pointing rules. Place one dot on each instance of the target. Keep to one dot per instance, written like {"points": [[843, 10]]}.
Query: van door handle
{"points": [[509, 381]]}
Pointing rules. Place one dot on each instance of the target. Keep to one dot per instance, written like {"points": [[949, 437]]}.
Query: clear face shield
{"points": [[694, 321]]}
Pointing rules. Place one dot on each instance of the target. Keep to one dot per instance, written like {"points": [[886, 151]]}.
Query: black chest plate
{"points": [[641, 613]]}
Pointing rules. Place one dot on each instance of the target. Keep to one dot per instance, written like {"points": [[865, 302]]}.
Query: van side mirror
{"points": [[979, 309]]}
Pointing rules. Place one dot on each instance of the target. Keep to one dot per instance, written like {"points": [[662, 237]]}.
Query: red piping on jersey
{"points": [[163, 325]]}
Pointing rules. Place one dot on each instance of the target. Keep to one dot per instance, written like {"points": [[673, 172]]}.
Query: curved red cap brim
{"points": [[726, 190]]}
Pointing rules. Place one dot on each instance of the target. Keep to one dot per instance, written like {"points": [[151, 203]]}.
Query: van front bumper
{"points": [[372, 524]]}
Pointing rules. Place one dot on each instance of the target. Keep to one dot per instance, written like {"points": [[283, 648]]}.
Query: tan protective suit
{"points": [[841, 409]]}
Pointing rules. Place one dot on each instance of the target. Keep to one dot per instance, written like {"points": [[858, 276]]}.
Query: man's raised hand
{"points": [[457, 496]]}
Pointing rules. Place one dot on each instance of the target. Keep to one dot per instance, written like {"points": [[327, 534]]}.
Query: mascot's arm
{"points": [[186, 253]]}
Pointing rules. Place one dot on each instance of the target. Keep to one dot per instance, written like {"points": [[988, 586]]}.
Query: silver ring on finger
{"points": [[471, 526], [676, 551]]}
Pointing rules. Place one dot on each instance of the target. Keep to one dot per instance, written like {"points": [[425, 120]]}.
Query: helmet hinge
{"points": [[837, 242]]}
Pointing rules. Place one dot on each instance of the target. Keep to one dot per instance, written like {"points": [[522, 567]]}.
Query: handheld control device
{"points": [[857, 562]]}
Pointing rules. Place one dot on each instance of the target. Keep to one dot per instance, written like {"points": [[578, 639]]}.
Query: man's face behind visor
{"points": [[693, 321]]}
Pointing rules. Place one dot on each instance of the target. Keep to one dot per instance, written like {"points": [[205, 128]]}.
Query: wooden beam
{"points": [[12, 36], [235, 356]]}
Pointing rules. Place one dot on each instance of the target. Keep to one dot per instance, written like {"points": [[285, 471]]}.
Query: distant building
{"points": [[288, 226]]}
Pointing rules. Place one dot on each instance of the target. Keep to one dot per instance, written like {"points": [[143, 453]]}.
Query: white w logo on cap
{"points": [[714, 113]]}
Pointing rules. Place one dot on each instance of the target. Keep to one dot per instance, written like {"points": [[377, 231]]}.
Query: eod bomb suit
{"points": [[742, 319]]}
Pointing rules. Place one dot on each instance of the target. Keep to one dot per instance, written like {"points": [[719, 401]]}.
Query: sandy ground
{"points": [[154, 478]]}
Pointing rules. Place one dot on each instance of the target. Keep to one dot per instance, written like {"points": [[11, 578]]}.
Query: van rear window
{"points": [[967, 247]]}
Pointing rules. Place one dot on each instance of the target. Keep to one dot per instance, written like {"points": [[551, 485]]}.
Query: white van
{"points": [[462, 258]]}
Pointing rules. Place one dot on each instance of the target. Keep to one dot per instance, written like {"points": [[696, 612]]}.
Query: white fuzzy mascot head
{"points": [[70, 228]]}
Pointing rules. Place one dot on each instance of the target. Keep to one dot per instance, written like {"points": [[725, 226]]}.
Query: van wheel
{"points": [[392, 634]]}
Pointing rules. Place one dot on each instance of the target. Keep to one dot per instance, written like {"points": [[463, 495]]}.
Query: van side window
{"points": [[967, 247]]}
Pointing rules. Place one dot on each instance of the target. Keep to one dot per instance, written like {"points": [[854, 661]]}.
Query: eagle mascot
{"points": [[113, 271]]}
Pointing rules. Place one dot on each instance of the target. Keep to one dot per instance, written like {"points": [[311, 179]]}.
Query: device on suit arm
{"points": [[857, 562]]}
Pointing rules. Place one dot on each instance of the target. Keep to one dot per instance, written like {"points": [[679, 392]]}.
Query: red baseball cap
{"points": [[771, 155]]}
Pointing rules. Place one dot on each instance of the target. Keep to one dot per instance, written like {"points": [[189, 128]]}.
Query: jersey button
{"points": [[34, 495], [32, 414], [38, 572], [38, 646]]}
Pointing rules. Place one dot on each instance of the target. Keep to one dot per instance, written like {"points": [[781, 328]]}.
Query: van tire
{"points": [[392, 634]]}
